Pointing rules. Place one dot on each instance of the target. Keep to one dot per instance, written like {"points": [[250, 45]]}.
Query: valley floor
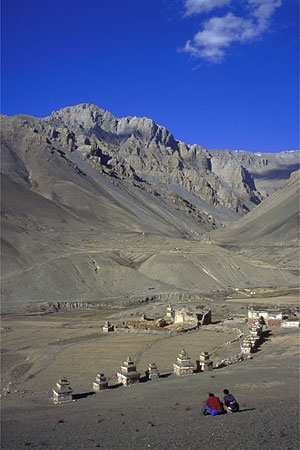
{"points": [[163, 414]]}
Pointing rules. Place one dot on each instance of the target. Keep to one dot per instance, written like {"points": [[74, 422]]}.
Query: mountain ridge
{"points": [[104, 211], [134, 138]]}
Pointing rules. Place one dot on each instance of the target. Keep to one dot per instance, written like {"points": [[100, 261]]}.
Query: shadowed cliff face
{"points": [[101, 209]]}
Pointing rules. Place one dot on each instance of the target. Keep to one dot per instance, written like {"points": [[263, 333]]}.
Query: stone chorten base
{"points": [[184, 366], [101, 383], [153, 372], [204, 362], [62, 393], [128, 374]]}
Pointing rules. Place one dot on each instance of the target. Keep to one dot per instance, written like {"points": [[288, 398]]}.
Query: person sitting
{"points": [[230, 402], [212, 406]]}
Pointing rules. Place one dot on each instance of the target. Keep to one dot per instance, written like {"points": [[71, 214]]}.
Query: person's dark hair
{"points": [[226, 391], [211, 395]]}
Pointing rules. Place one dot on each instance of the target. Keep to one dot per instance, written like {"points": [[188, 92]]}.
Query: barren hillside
{"points": [[106, 210], [271, 231]]}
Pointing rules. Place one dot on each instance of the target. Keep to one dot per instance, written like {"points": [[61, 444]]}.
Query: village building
{"points": [[108, 327], [268, 317], [192, 318], [62, 392], [272, 318], [170, 312], [101, 383], [291, 323], [128, 374], [184, 365]]}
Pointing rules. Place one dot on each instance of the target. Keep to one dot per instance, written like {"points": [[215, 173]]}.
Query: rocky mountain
{"points": [[108, 210], [137, 148], [269, 171], [270, 232]]}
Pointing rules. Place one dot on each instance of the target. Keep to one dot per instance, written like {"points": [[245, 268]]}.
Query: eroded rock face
{"points": [[263, 172], [148, 154], [212, 186]]}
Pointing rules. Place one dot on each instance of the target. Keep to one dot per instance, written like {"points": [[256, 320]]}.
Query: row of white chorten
{"points": [[251, 341], [129, 375]]}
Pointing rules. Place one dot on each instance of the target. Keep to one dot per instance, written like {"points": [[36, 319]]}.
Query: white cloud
{"points": [[263, 10], [199, 6], [219, 33]]}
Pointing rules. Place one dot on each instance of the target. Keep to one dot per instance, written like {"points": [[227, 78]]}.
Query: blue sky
{"points": [[219, 73]]}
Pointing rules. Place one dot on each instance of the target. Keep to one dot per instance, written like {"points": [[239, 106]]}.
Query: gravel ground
{"points": [[147, 421], [166, 414]]}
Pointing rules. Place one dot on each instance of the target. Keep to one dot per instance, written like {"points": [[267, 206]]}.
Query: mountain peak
{"points": [[89, 118]]}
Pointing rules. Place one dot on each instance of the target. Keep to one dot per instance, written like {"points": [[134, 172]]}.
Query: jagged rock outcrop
{"points": [[137, 148], [266, 171], [140, 150]]}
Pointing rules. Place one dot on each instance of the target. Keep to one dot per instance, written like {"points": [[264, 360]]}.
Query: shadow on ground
{"points": [[83, 395]]}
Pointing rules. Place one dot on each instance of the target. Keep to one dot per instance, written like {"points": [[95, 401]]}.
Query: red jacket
{"points": [[214, 403]]}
